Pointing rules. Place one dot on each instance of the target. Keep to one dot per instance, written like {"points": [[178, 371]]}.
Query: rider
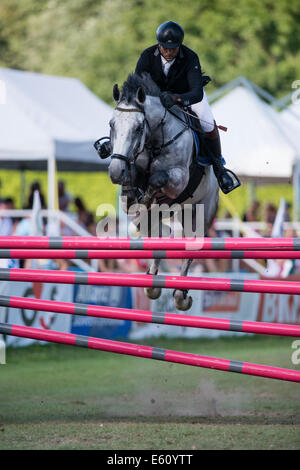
{"points": [[177, 72]]}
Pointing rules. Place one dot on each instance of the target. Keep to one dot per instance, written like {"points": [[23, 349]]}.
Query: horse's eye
{"points": [[111, 123]]}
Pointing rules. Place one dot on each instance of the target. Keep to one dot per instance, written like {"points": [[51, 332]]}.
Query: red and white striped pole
{"points": [[150, 317], [150, 352], [31, 253], [147, 280], [91, 243]]}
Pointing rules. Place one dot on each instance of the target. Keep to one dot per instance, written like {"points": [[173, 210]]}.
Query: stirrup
{"points": [[103, 148], [236, 182]]}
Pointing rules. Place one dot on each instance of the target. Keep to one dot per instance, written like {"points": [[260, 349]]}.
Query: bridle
{"points": [[130, 162], [126, 158], [155, 151]]}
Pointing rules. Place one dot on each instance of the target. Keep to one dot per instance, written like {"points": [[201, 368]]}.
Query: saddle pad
{"points": [[200, 159]]}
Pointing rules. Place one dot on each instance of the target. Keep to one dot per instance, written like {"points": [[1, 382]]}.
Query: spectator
{"points": [[6, 223], [270, 213], [252, 214], [283, 267], [10, 205], [35, 187], [268, 229], [91, 224], [287, 214], [82, 213], [64, 198]]}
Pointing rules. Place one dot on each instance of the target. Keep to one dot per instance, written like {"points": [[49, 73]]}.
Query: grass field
{"points": [[59, 397]]}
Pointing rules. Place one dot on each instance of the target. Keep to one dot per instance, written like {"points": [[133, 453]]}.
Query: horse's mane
{"points": [[134, 81]]}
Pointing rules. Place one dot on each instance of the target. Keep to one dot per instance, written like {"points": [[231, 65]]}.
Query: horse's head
{"points": [[128, 135]]}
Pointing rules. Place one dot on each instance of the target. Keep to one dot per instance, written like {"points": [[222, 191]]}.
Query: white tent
{"points": [[45, 118], [256, 144], [290, 117]]}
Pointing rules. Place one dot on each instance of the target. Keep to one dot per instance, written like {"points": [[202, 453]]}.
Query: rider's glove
{"points": [[205, 80], [168, 100]]}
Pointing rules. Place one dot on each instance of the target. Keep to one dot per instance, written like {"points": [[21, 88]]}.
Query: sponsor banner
{"points": [[231, 305], [32, 318], [280, 308], [112, 296]]}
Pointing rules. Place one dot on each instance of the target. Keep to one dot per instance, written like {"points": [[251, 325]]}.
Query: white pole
{"points": [[296, 187], [51, 180]]}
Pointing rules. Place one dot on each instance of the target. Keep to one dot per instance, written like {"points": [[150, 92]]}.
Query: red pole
{"points": [[145, 254], [146, 280], [150, 317], [150, 352], [151, 243]]}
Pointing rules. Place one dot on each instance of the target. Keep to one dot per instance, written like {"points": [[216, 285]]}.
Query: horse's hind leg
{"points": [[182, 300], [153, 292]]}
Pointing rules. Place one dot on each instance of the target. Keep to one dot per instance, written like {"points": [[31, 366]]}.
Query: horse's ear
{"points": [[140, 95], [116, 93]]}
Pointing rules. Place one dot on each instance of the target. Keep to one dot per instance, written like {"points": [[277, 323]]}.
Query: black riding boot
{"points": [[223, 176]]}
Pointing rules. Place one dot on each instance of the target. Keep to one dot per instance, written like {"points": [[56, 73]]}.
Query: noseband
{"points": [[130, 163]]}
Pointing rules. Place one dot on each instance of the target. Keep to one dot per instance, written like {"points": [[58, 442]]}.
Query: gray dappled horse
{"points": [[152, 151]]}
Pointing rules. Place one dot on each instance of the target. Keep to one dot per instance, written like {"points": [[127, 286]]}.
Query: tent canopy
{"points": [[46, 116], [256, 144], [291, 119], [20, 138]]}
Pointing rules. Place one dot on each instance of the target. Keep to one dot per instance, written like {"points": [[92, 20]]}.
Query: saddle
{"points": [[200, 155]]}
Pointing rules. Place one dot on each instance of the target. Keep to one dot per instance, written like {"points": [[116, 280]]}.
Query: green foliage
{"points": [[96, 188], [100, 41], [93, 188], [239, 199]]}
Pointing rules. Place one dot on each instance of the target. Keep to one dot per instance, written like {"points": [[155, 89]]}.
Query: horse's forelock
{"points": [[132, 84]]}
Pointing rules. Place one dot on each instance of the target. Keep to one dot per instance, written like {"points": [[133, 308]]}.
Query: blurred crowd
{"points": [[76, 208]]}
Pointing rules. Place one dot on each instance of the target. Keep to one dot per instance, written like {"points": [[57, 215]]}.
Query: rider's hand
{"points": [[168, 100]]}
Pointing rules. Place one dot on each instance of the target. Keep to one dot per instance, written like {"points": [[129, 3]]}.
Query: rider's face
{"points": [[169, 54]]}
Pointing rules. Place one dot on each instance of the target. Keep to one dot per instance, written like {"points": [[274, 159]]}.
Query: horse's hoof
{"points": [[153, 293], [182, 301]]}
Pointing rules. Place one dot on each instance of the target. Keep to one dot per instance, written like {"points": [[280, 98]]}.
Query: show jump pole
{"points": [[174, 319], [147, 280], [150, 352], [94, 243]]}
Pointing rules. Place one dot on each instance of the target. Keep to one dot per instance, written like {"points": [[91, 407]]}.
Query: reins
{"points": [[160, 124]]}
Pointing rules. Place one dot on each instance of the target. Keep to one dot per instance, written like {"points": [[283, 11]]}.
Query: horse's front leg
{"points": [[182, 300], [171, 183], [157, 182], [153, 292]]}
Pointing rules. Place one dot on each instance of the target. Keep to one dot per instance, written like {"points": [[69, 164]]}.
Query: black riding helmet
{"points": [[169, 35]]}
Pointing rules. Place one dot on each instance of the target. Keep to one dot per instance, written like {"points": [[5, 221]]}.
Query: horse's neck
{"points": [[156, 113]]}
